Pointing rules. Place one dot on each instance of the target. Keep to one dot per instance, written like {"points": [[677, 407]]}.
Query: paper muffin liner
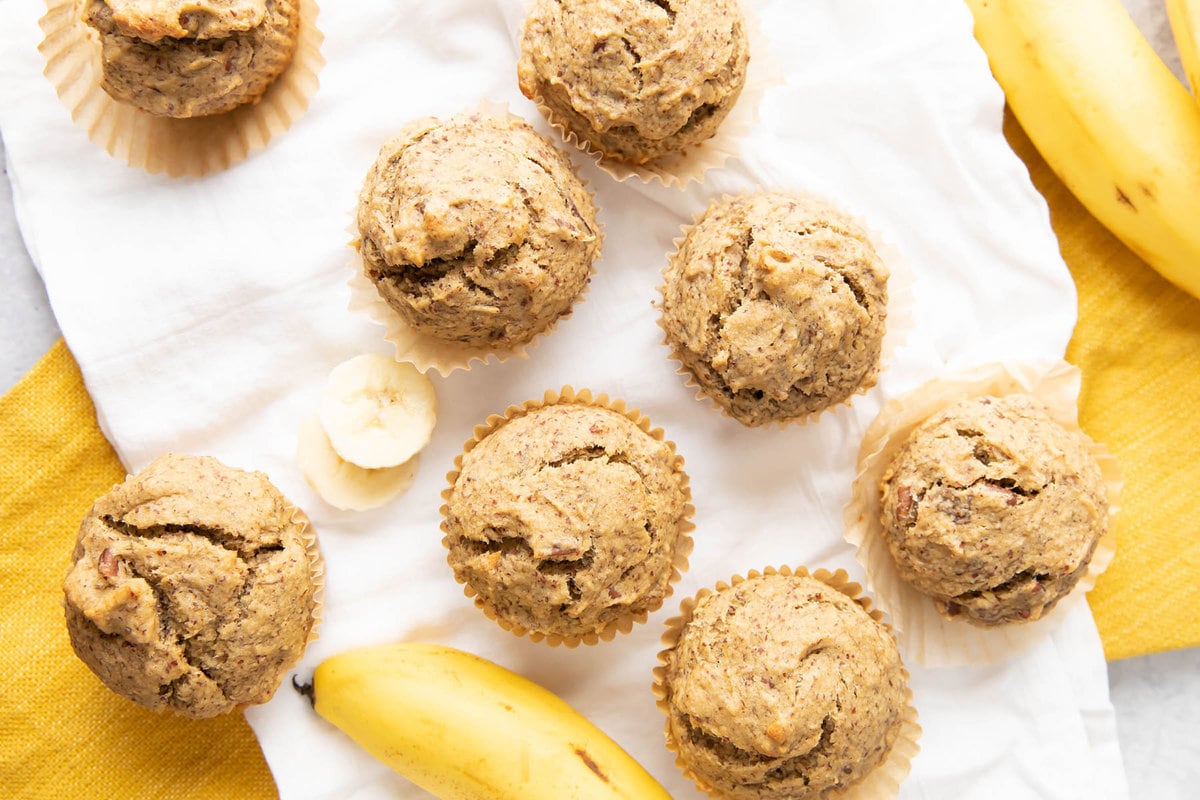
{"points": [[429, 352], [898, 322], [928, 637], [683, 547], [678, 169], [881, 783], [179, 147], [316, 568]]}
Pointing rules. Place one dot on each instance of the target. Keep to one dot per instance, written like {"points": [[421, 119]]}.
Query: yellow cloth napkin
{"points": [[1137, 343], [62, 734], [65, 736]]}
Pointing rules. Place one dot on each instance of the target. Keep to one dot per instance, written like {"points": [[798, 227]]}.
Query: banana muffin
{"points": [[993, 509], [475, 230], [568, 521], [635, 79], [192, 58], [777, 306], [192, 587], [782, 687]]}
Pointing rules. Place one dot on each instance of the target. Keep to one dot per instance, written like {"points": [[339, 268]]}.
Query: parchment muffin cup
{"points": [[881, 783], [678, 169], [429, 352], [898, 321], [178, 147], [316, 568], [683, 546], [928, 637]]}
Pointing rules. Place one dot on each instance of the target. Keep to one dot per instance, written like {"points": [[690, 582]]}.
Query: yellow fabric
{"points": [[1138, 344], [62, 734]]}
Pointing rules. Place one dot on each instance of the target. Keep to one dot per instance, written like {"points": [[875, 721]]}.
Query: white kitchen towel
{"points": [[206, 313]]}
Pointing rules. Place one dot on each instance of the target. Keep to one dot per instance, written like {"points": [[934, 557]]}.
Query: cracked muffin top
{"points": [[191, 587], [635, 79], [993, 509], [566, 521], [192, 58], [476, 230], [777, 306], [782, 687]]}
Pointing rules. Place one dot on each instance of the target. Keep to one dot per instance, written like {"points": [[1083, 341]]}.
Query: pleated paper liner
{"points": [[881, 783], [427, 352], [316, 568], [683, 546], [678, 169], [177, 147], [926, 636], [899, 314]]}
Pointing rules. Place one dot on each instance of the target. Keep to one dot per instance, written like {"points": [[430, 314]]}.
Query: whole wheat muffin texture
{"points": [[192, 58], [476, 230], [636, 79], [191, 587], [993, 509], [566, 520], [783, 687], [777, 306]]}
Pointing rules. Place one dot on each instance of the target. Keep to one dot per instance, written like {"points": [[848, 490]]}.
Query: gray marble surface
{"points": [[1157, 697]]}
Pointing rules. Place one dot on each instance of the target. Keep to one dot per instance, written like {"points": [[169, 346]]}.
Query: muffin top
{"points": [[783, 687], [476, 230], [993, 509], [153, 20], [191, 587], [566, 520], [192, 58], [635, 79], [777, 305]]}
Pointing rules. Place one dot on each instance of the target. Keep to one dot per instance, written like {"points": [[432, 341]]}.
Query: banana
{"points": [[464, 728], [1109, 118], [376, 411], [1184, 16], [342, 484]]}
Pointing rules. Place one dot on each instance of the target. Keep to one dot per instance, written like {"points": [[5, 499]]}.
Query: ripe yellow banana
{"points": [[1184, 16], [1109, 118], [464, 728]]}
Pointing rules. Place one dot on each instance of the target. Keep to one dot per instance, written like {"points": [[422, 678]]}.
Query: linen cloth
{"points": [[206, 313]]}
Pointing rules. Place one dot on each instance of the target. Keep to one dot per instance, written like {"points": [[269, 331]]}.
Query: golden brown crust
{"points": [[993, 509], [192, 587], [152, 20], [636, 79], [781, 686], [475, 230], [777, 305], [207, 71], [567, 520]]}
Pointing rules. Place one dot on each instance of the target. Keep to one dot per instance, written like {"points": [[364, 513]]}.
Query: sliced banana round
{"points": [[377, 411], [342, 484]]}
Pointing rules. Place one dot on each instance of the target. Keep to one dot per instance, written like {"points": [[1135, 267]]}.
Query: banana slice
{"points": [[342, 484], [377, 411]]}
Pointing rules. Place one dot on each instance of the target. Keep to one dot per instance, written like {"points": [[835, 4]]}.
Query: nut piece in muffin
{"points": [[635, 79], [993, 509], [781, 686], [568, 521], [192, 587], [777, 306], [475, 230], [192, 58]]}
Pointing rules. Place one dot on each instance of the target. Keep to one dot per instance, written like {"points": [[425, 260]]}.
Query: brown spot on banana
{"points": [[592, 765], [1123, 199]]}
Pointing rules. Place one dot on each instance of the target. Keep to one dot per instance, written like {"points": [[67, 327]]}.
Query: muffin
{"points": [[476, 231], [785, 686], [569, 520], [777, 306], [192, 587], [993, 509], [192, 58], [635, 80]]}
